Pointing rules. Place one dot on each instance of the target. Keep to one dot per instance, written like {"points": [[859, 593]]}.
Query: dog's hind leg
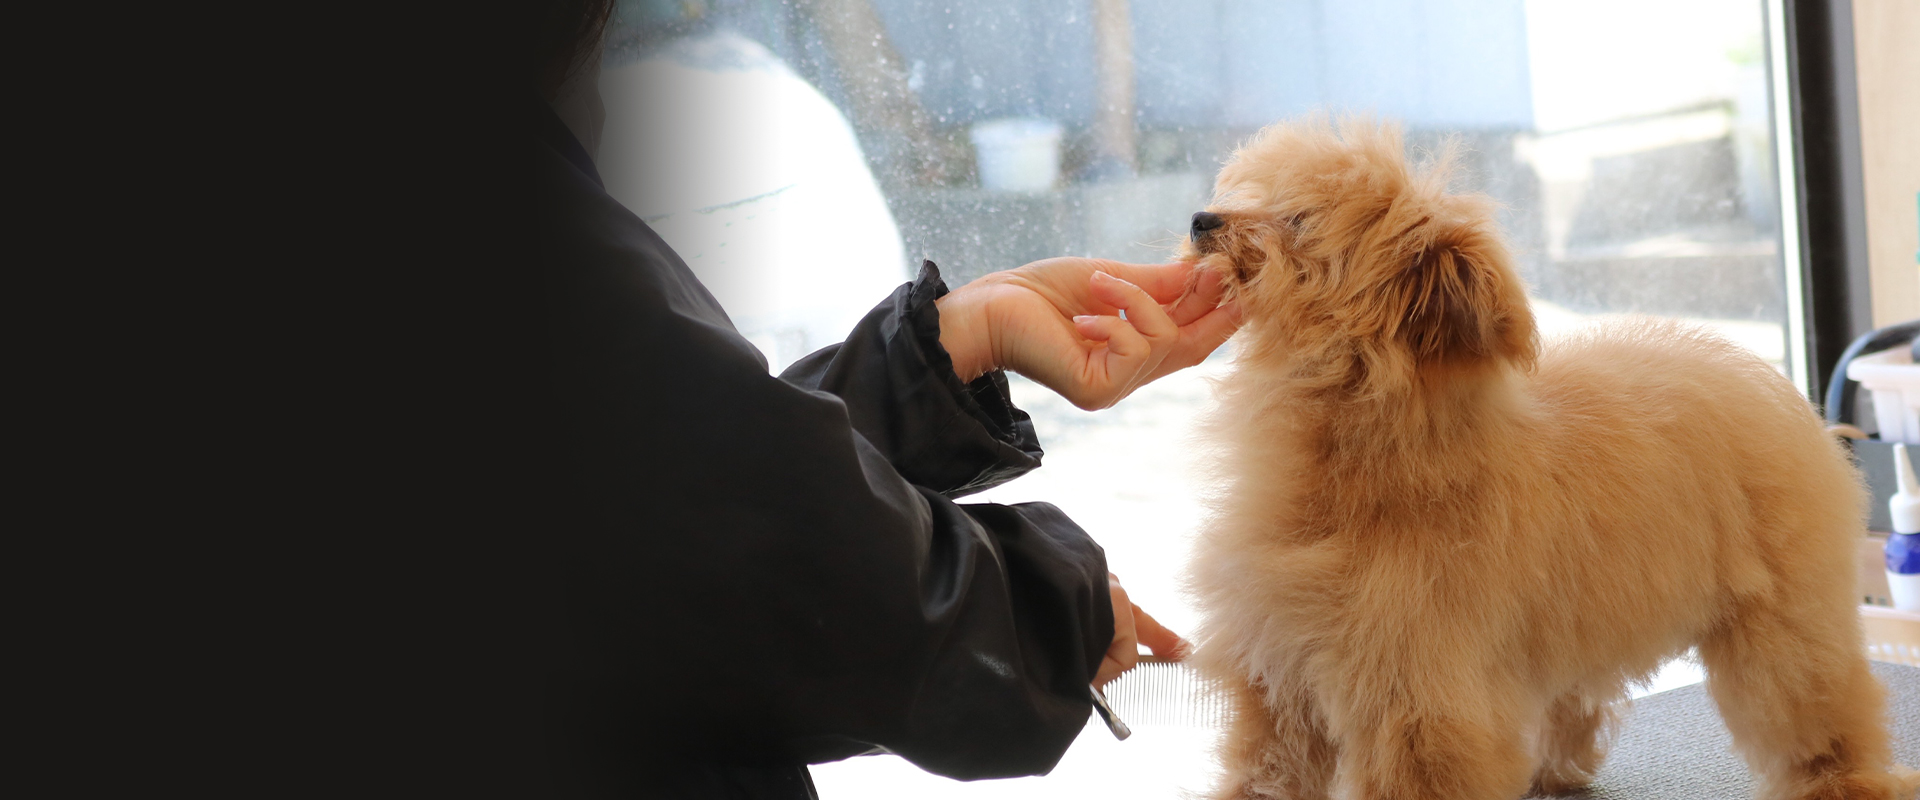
{"points": [[1572, 742], [1793, 686], [1276, 752]]}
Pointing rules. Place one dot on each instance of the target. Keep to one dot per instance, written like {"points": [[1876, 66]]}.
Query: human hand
{"points": [[1058, 322], [1132, 627]]}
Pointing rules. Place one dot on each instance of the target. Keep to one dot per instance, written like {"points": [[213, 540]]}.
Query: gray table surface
{"points": [[1673, 746]]}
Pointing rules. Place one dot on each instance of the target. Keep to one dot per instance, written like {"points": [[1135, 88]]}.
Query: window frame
{"points": [[1828, 194]]}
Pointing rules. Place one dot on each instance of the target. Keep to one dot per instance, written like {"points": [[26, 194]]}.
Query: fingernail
{"points": [[1085, 318]]}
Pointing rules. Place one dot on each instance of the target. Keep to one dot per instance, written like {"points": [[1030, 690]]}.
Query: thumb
{"points": [[1205, 335]]}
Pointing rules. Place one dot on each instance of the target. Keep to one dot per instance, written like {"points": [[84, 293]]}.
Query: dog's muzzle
{"points": [[1206, 222]]}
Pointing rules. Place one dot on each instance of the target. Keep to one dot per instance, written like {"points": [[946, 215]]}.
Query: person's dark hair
{"points": [[565, 37]]}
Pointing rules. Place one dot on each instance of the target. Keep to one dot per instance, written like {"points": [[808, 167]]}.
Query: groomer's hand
{"points": [[1132, 627], [1058, 322]]}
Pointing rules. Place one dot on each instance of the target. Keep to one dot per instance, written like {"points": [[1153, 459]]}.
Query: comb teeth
{"points": [[1163, 693]]}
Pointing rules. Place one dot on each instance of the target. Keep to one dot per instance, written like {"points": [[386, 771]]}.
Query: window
{"points": [[804, 155]]}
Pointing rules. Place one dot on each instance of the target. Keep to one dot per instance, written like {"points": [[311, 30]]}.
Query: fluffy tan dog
{"points": [[1441, 552]]}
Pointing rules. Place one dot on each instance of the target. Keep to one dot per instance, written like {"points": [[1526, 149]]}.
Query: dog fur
{"points": [[1442, 552]]}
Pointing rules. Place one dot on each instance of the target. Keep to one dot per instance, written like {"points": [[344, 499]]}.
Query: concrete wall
{"points": [[1231, 63]]}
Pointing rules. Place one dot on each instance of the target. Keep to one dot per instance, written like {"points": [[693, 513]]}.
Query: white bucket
{"points": [[1895, 382], [1017, 155]]}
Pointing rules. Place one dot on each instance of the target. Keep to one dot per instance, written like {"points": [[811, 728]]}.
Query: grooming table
{"points": [[1672, 745]]}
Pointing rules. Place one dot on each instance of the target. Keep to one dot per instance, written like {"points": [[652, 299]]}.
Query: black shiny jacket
{"points": [[761, 573]]}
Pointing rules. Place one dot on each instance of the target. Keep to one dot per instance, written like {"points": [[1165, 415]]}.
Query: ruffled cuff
{"points": [[902, 394], [986, 398]]}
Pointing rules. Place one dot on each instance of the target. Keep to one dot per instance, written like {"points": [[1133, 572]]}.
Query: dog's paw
{"points": [[1560, 780], [1900, 785], [1907, 783]]}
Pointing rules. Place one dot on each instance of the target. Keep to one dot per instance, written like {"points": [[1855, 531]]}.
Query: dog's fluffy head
{"points": [[1328, 235]]}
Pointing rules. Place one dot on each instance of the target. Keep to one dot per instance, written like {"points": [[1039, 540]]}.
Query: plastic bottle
{"points": [[1903, 545]]}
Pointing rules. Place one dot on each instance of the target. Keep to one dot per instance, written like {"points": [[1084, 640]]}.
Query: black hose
{"points": [[1840, 391]]}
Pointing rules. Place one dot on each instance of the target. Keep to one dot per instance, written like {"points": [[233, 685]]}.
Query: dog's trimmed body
{"points": [[1439, 554]]}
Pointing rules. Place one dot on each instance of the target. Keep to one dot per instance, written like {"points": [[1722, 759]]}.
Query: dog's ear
{"points": [[1461, 303]]}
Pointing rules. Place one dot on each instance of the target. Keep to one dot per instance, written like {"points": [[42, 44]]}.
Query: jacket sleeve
{"points": [[904, 398], [747, 577]]}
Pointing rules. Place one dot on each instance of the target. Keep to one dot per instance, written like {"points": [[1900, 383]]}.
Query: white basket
{"points": [[1892, 636], [1895, 382], [1017, 155]]}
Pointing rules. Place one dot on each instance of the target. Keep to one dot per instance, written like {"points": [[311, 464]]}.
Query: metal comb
{"points": [[1159, 692]]}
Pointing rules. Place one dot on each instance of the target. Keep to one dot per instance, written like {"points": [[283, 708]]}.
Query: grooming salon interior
{"points": [[1747, 168]]}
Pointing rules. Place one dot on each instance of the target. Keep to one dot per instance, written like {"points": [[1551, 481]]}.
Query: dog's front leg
{"points": [[1277, 747], [1397, 743]]}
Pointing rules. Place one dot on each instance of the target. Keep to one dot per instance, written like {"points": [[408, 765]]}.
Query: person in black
{"points": [[762, 573]]}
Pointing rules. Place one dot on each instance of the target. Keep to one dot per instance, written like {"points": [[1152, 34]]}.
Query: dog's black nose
{"points": [[1206, 221]]}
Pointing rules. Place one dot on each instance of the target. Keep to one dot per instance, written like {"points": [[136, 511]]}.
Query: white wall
{"points": [[1887, 59]]}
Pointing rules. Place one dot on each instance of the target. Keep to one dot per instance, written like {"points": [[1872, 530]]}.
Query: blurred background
{"points": [[804, 155], [1628, 141]]}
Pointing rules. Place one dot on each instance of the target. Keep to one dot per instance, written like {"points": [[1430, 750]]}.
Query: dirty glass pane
{"points": [[803, 156]]}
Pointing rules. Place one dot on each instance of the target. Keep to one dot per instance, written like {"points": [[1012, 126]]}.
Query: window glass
{"points": [[803, 156]]}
